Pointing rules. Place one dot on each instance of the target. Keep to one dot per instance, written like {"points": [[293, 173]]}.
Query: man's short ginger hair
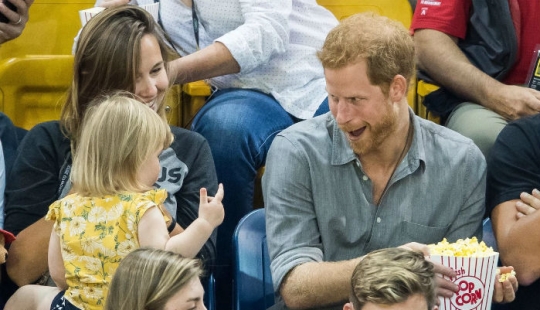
{"points": [[390, 276], [385, 45]]}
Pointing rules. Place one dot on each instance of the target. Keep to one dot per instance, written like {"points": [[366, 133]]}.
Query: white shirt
{"points": [[274, 42]]}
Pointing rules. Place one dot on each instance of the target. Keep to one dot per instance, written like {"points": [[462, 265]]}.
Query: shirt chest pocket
{"points": [[414, 232]]}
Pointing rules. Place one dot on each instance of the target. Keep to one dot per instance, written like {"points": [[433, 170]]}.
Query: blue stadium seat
{"points": [[210, 293], [252, 281], [489, 237]]}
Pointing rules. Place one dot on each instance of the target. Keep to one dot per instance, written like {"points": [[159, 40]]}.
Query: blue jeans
{"points": [[239, 125]]}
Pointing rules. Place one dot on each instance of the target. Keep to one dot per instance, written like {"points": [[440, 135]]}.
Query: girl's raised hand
{"points": [[211, 208]]}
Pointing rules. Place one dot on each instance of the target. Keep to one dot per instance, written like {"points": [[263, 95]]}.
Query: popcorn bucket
{"points": [[152, 8], [87, 14], [475, 280]]}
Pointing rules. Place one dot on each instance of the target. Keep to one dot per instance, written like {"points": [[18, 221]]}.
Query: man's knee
{"points": [[477, 123]]}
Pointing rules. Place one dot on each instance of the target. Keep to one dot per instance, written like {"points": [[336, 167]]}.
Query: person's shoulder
{"points": [[441, 133], [155, 196], [444, 140], [314, 134], [186, 136], [523, 133], [51, 127], [47, 137], [310, 128], [526, 124], [45, 132], [4, 119]]}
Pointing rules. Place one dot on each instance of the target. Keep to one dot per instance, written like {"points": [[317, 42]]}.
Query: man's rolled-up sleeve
{"points": [[292, 231]]}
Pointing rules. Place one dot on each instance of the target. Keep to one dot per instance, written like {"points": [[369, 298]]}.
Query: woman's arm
{"points": [[27, 259], [263, 33]]}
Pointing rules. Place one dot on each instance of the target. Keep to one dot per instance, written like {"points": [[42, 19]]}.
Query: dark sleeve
{"points": [[33, 182], [11, 137], [193, 149], [514, 162]]}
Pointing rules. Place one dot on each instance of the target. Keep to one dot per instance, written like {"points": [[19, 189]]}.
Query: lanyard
{"points": [[195, 20]]}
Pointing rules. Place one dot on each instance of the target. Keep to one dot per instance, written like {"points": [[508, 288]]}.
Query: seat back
{"points": [[36, 68], [50, 30], [252, 280], [32, 87], [423, 89], [399, 10], [210, 293], [488, 235]]}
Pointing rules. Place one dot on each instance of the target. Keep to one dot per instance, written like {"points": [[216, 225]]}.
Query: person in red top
{"points": [[484, 102]]}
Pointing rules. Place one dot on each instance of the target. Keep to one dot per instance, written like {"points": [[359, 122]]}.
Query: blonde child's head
{"points": [[118, 134]]}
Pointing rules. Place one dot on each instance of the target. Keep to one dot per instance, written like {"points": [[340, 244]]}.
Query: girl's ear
{"points": [[348, 306]]}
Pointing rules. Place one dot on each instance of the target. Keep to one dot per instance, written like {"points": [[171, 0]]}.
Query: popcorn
{"points": [[475, 266], [503, 277], [468, 247]]}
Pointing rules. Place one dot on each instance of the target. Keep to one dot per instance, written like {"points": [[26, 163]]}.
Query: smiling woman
{"points": [[151, 80], [121, 49], [120, 53]]}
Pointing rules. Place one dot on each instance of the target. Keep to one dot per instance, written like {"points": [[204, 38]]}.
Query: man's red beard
{"points": [[376, 134]]}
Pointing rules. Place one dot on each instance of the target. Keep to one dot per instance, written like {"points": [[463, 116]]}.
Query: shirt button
{"points": [[365, 178], [378, 220]]}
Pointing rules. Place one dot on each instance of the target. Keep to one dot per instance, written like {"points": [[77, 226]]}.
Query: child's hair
{"points": [[391, 276], [118, 134], [147, 278]]}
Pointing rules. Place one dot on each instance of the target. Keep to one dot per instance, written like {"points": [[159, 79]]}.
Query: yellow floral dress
{"points": [[95, 234]]}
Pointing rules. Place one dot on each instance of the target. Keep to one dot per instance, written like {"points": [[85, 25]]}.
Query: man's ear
{"points": [[348, 306], [398, 88]]}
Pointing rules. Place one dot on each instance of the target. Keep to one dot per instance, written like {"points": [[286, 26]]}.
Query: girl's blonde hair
{"points": [[118, 134], [107, 59], [147, 278]]}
